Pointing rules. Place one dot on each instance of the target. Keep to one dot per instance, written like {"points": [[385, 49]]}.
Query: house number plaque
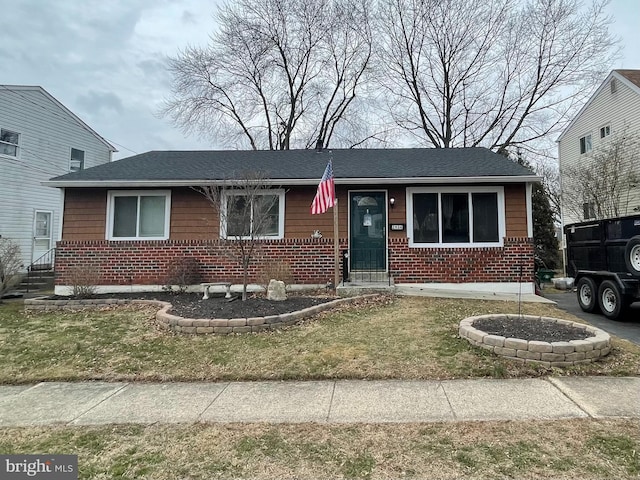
{"points": [[398, 227]]}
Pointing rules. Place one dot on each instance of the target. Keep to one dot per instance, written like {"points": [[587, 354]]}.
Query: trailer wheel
{"points": [[587, 294], [632, 255], [611, 301]]}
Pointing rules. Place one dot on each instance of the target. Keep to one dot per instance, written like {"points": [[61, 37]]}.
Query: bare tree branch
{"points": [[277, 73], [497, 73]]}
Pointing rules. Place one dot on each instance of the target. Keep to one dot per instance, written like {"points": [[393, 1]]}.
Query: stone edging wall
{"points": [[551, 354], [195, 325]]}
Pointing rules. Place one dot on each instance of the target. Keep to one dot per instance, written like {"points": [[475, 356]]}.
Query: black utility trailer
{"points": [[604, 258]]}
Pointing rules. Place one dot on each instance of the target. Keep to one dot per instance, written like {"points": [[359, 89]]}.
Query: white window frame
{"points": [[17, 145], [281, 199], [606, 129], [499, 190], [588, 146], [112, 194], [84, 153]]}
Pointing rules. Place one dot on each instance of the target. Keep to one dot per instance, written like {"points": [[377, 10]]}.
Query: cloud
{"points": [[99, 102], [189, 18]]}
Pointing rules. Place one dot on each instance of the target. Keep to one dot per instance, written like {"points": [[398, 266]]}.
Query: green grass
{"points": [[561, 449], [404, 338], [622, 448]]}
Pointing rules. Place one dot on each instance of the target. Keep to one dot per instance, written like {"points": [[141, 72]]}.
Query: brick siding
{"points": [[310, 261], [462, 265]]}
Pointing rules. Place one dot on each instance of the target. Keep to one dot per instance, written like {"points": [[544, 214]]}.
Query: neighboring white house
{"points": [[39, 139], [612, 113]]}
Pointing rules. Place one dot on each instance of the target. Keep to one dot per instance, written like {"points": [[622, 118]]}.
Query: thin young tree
{"points": [[277, 74], [248, 210], [497, 73], [606, 183]]}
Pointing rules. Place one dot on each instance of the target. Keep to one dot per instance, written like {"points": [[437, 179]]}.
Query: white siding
{"points": [[620, 110], [47, 134]]}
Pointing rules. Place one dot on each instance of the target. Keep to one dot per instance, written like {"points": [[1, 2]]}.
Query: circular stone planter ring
{"points": [[552, 354]]}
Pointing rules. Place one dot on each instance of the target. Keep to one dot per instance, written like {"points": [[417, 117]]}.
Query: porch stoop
{"points": [[379, 283]]}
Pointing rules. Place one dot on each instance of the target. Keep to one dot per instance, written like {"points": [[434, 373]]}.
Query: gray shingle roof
{"points": [[186, 166]]}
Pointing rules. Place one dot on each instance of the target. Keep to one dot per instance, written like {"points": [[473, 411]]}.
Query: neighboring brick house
{"points": [[450, 216], [611, 113]]}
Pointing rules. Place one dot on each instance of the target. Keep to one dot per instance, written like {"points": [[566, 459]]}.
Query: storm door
{"points": [[368, 231], [41, 234]]}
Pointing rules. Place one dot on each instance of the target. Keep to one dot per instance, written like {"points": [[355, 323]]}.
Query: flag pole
{"points": [[336, 244]]}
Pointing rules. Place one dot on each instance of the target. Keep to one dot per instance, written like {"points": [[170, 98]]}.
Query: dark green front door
{"points": [[368, 231]]}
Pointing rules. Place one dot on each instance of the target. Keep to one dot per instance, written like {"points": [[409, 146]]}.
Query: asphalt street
{"points": [[628, 327]]}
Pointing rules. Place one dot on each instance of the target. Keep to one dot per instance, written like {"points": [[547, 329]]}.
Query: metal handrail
{"points": [[44, 263]]}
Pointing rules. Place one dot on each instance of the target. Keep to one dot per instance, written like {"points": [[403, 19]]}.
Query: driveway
{"points": [[627, 328]]}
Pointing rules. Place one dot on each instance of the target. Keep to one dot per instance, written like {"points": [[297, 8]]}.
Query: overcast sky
{"points": [[105, 59]]}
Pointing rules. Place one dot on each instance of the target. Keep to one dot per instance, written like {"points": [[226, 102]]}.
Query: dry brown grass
{"points": [[407, 338], [403, 338], [567, 449]]}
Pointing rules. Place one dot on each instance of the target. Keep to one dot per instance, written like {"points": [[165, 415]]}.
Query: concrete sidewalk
{"points": [[343, 401]]}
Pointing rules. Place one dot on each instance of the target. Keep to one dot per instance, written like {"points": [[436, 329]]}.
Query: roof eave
{"points": [[73, 116], [293, 182], [612, 74]]}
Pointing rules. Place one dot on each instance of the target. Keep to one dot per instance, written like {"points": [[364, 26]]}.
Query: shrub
{"points": [[182, 272], [84, 280], [10, 265]]}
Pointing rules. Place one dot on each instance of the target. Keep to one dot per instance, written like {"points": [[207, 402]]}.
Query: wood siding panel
{"points": [[85, 214], [299, 223], [192, 216], [515, 200], [398, 213]]}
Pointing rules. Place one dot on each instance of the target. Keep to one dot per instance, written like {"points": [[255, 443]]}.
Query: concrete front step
{"points": [[352, 289], [39, 281], [369, 277]]}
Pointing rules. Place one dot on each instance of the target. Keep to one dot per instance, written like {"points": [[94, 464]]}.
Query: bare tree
{"points": [[604, 183], [496, 73], [277, 74], [248, 209], [10, 265]]}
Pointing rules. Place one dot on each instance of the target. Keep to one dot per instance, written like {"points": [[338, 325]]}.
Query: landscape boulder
{"points": [[276, 291]]}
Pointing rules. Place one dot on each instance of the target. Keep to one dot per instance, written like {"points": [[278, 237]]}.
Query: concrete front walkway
{"points": [[343, 401], [433, 290]]}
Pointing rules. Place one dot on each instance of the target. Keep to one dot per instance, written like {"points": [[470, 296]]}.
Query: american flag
{"points": [[326, 194]]}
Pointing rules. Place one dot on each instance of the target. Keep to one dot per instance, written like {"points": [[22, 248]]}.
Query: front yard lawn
{"points": [[562, 449], [406, 338]]}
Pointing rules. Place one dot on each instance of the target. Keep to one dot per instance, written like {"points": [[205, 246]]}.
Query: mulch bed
{"points": [[191, 305], [525, 329]]}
